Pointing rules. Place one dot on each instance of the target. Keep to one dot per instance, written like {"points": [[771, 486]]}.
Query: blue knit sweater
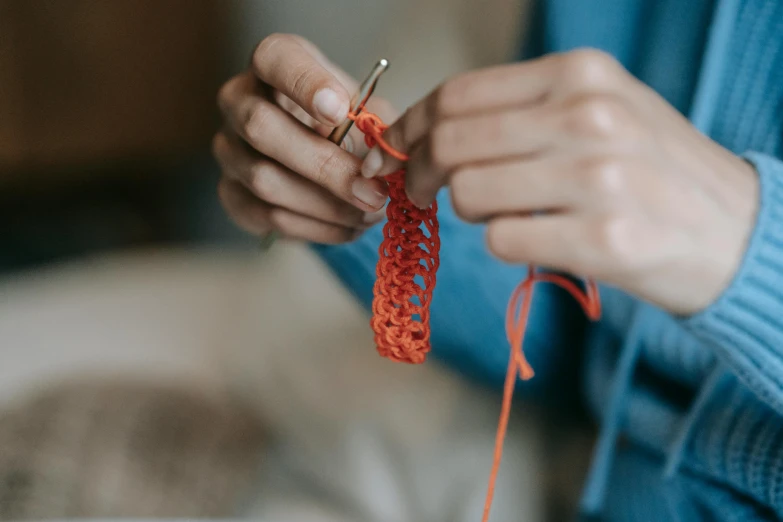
{"points": [[697, 400]]}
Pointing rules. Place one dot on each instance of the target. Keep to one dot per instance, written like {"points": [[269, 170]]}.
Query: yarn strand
{"points": [[405, 278], [517, 314]]}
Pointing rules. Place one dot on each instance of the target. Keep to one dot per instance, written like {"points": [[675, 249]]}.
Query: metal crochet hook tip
{"points": [[359, 100]]}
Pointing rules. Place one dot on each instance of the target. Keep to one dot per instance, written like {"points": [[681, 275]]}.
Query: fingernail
{"points": [[371, 192], [371, 218], [329, 104], [372, 163]]}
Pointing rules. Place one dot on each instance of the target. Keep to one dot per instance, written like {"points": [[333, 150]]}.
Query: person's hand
{"points": [[577, 166], [279, 173]]}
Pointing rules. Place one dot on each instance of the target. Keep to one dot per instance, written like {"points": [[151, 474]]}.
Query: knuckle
{"points": [[448, 97], [327, 163], [266, 183], [598, 116], [463, 188], [440, 142], [255, 124], [263, 51], [615, 238], [497, 242], [604, 175], [227, 93], [224, 95], [302, 81], [406, 135], [276, 217], [219, 146], [590, 68]]}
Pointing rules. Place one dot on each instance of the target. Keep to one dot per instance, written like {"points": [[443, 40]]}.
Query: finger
{"points": [[259, 218], [305, 228], [472, 138], [554, 241], [542, 184], [402, 136], [243, 208], [553, 76], [495, 136], [282, 62], [276, 134], [422, 179], [458, 142], [354, 140], [281, 187], [479, 192]]}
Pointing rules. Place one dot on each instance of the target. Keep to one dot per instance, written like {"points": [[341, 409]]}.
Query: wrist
{"points": [[715, 239], [730, 236]]}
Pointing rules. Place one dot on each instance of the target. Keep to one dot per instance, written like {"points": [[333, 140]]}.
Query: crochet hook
{"points": [[359, 100]]}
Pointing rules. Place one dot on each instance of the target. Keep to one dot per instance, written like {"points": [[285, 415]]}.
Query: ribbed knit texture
{"points": [[704, 402]]}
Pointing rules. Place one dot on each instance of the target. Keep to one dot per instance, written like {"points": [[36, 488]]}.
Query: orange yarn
{"points": [[517, 315], [401, 304]]}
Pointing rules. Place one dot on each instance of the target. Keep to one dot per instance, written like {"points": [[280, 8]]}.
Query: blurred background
{"points": [[133, 315]]}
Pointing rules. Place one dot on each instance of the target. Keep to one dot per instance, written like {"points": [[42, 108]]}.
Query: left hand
{"points": [[575, 165]]}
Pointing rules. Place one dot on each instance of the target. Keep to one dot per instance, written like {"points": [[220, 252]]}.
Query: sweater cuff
{"points": [[745, 324]]}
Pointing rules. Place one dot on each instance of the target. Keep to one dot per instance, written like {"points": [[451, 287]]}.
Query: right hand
{"points": [[279, 173]]}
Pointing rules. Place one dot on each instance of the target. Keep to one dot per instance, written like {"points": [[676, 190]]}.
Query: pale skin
{"points": [[279, 173], [571, 163]]}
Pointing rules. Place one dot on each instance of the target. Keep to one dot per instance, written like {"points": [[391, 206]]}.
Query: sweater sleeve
{"points": [[745, 324], [469, 305]]}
